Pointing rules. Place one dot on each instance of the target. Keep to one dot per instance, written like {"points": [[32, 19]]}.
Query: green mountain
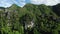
{"points": [[56, 9], [30, 19]]}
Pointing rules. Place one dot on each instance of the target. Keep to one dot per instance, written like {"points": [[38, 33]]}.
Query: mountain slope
{"points": [[56, 9], [31, 19]]}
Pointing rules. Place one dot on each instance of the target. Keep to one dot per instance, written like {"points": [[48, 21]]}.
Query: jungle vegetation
{"points": [[30, 19]]}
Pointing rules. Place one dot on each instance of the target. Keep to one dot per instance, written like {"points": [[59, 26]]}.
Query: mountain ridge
{"points": [[17, 20]]}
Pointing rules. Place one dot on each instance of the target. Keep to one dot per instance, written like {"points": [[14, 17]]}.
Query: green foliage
{"points": [[15, 20]]}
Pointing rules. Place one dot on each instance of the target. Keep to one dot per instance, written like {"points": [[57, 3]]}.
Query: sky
{"points": [[21, 3]]}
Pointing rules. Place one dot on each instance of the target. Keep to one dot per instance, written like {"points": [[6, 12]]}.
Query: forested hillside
{"points": [[30, 19], [56, 9]]}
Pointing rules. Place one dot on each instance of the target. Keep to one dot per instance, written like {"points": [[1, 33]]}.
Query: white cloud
{"points": [[46, 2], [5, 3], [8, 3], [20, 3]]}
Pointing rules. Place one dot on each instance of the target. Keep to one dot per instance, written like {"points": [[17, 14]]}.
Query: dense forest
{"points": [[30, 19]]}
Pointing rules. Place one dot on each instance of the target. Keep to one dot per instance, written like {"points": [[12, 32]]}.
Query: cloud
{"points": [[20, 3], [8, 3], [46, 2], [5, 3]]}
